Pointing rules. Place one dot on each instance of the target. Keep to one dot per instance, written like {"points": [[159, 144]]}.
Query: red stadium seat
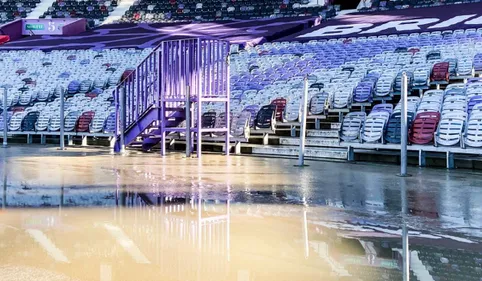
{"points": [[83, 123], [424, 127], [280, 108], [91, 95], [440, 72], [126, 74]]}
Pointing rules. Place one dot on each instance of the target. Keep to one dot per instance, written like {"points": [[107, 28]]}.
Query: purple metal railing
{"points": [[141, 89], [163, 78]]}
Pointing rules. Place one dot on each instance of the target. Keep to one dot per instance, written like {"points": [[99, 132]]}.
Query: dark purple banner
{"points": [[244, 32], [448, 17]]}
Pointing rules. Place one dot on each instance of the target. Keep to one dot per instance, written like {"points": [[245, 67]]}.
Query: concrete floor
{"points": [[85, 214]]}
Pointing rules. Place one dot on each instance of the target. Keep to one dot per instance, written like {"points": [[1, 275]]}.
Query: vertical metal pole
{"points": [[122, 93], [5, 118], [228, 96], [405, 246], [301, 157], [200, 93], [62, 119], [188, 121], [404, 129]]}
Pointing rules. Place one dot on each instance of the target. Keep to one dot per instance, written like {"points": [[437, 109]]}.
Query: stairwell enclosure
{"points": [[194, 71]]}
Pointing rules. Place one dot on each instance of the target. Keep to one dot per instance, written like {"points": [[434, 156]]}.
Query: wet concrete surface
{"points": [[84, 214]]}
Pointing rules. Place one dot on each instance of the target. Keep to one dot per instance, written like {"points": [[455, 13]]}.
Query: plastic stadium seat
{"points": [[478, 62], [83, 123], [342, 97], [9, 116], [16, 121], [98, 122], [43, 121], [71, 120], [240, 124], [363, 92], [397, 85], [423, 127], [433, 56], [473, 101], [266, 117], [351, 126], [54, 124], [465, 67], [280, 104], [374, 126], [386, 107], [110, 123], [253, 109], [384, 85], [450, 128], [473, 129], [28, 122], [208, 119], [421, 77], [393, 130], [293, 110], [440, 72], [319, 103], [453, 63]]}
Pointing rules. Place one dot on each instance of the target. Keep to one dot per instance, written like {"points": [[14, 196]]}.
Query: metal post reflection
{"points": [[4, 197], [405, 249]]}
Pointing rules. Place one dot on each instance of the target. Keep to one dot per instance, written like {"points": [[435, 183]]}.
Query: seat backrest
{"points": [[280, 104], [319, 103], [388, 107], [423, 127], [266, 116], [240, 123], [208, 119], [253, 109]]}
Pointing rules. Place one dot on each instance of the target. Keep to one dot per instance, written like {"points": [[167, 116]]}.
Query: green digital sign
{"points": [[34, 26]]}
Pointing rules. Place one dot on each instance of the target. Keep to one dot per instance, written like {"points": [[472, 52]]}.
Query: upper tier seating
{"points": [[179, 10], [12, 10], [91, 9]]}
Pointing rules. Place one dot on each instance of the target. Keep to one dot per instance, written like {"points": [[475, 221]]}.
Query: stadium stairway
{"points": [[146, 132], [41, 8]]}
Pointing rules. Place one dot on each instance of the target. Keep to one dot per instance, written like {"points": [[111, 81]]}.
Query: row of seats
{"points": [[35, 80], [358, 69], [450, 117], [164, 11], [345, 71], [82, 114], [186, 10], [96, 10], [12, 10]]}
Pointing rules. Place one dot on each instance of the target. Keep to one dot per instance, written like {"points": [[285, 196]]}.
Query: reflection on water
{"points": [[149, 218], [153, 236]]}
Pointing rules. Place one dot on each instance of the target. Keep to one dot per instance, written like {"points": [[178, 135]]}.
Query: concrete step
{"points": [[326, 142], [322, 133], [310, 152]]}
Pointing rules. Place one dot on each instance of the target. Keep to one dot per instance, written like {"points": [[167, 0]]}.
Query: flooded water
{"points": [[84, 214]]}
